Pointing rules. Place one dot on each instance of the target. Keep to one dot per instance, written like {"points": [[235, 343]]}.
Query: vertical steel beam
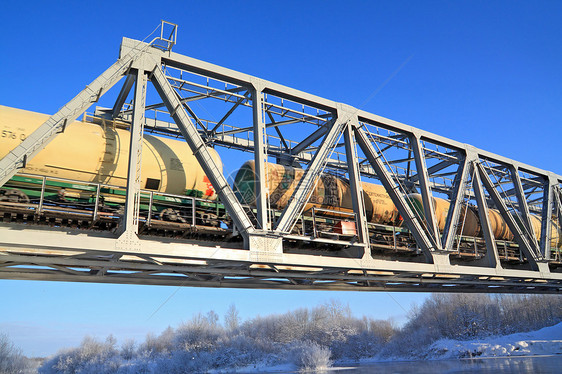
{"points": [[427, 197], [558, 202], [130, 220], [491, 248], [522, 202], [546, 222], [355, 184], [424, 241], [456, 197], [200, 151], [531, 253], [35, 142], [302, 193], [260, 156]]}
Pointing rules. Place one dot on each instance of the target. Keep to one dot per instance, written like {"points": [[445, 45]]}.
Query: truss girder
{"points": [[105, 259], [200, 151], [169, 264]]}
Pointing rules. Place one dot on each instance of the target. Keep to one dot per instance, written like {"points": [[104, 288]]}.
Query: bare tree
{"points": [[232, 318]]}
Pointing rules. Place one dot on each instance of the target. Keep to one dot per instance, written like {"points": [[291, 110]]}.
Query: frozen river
{"points": [[535, 365]]}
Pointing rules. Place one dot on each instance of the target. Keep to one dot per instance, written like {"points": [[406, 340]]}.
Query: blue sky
{"points": [[485, 73]]}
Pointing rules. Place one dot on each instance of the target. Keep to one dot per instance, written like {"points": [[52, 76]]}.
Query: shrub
{"points": [[311, 356]]}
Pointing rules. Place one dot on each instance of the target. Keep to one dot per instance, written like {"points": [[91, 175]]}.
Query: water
{"points": [[535, 365]]}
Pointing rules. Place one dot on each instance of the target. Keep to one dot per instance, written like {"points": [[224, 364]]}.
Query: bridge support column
{"points": [[130, 222], [356, 186], [260, 156]]}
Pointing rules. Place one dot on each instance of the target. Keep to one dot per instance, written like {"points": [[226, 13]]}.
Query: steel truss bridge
{"points": [[264, 248]]}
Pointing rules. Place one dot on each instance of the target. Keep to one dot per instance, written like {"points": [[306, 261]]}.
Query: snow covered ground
{"points": [[546, 341]]}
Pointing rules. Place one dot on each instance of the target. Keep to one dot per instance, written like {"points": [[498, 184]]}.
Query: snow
{"points": [[546, 341]]}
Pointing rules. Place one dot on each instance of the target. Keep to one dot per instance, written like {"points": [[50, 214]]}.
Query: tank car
{"points": [[99, 154], [330, 192], [334, 195]]}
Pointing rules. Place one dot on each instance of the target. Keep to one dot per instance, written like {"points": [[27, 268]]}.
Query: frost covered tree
{"points": [[232, 318], [12, 360]]}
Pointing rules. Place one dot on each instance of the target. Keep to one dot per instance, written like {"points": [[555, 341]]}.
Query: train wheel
{"points": [[15, 196], [171, 215]]}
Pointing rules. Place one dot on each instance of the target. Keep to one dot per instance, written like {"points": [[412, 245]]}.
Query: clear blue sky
{"points": [[487, 73]]}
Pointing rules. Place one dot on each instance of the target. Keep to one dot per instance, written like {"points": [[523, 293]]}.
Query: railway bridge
{"points": [[435, 186]]}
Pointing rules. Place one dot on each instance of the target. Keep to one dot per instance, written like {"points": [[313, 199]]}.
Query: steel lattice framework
{"points": [[288, 126]]}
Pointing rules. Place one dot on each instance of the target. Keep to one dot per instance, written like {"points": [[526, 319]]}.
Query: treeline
{"points": [[471, 316], [308, 338]]}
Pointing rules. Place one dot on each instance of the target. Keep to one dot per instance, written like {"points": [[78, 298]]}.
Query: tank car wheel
{"points": [[15, 196], [171, 215]]}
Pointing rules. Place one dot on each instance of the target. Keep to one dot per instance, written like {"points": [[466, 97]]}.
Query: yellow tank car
{"points": [[99, 154]]}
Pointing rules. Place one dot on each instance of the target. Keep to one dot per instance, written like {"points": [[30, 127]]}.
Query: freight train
{"points": [[333, 193], [97, 154]]}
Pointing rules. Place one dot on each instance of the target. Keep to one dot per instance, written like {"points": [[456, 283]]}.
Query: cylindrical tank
{"points": [[99, 154], [440, 206], [555, 234], [330, 192]]}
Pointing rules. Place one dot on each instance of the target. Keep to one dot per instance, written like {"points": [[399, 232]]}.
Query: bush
{"points": [[92, 357], [311, 356]]}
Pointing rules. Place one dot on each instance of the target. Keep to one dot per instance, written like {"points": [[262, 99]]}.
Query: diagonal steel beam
{"points": [[433, 169], [123, 95], [424, 241], [200, 151], [194, 97], [278, 131], [230, 111], [427, 197], [522, 202], [312, 138], [532, 253], [492, 253], [35, 142], [302, 193], [193, 115], [455, 199]]}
